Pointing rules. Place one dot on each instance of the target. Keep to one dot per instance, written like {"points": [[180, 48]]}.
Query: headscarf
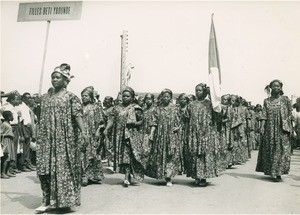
{"points": [[64, 70], [109, 99], [166, 91], [183, 95], [149, 95], [130, 90], [90, 90]]}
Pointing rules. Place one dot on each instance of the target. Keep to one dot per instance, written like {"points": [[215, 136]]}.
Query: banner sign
{"points": [[44, 11]]}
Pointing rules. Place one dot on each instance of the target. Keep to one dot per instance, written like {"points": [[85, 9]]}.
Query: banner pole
{"points": [[44, 58]]}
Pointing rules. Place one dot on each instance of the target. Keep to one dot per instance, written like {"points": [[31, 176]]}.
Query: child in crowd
{"points": [[6, 144]]}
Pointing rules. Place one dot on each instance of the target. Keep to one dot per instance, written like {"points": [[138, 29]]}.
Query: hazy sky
{"points": [[168, 46]]}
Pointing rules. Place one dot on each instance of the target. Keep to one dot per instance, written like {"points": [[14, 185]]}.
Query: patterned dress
{"points": [[91, 158], [184, 121], [225, 141], [127, 142], [58, 154], [164, 155], [257, 128], [203, 141], [274, 154], [238, 135], [250, 130], [146, 129]]}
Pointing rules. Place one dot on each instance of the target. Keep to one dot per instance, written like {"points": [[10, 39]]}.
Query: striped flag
{"points": [[214, 72]]}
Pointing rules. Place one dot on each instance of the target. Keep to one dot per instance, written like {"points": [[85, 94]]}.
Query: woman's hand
{"points": [[85, 138], [97, 135], [151, 136], [175, 130]]}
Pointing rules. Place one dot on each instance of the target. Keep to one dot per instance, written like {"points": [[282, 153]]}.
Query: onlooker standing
{"points": [[296, 116], [7, 145]]}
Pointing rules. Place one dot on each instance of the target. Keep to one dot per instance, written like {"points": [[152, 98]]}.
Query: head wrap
{"points": [[166, 91], [109, 99], [149, 95], [130, 90], [64, 70], [183, 95], [90, 90]]}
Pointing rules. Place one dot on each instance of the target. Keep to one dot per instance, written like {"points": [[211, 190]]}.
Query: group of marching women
{"points": [[159, 139]]}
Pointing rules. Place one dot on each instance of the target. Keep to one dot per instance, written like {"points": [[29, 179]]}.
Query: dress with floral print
{"points": [[203, 141], [274, 156], [58, 152], [164, 155], [91, 163], [127, 142], [238, 135]]}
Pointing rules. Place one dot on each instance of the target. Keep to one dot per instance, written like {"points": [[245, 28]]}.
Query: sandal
{"points": [[126, 183], [41, 209]]}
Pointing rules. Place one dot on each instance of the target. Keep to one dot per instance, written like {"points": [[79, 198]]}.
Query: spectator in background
{"points": [[7, 145], [296, 123]]}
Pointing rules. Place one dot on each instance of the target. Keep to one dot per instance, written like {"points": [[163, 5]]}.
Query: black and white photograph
{"points": [[150, 107]]}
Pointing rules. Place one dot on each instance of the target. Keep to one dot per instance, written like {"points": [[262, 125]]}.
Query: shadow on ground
{"points": [[26, 199]]}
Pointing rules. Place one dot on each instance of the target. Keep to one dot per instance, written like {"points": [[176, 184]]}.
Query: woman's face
{"points": [[276, 87], [148, 101], [107, 103], [166, 98], [200, 92], [126, 98], [233, 101], [182, 101], [224, 100], [57, 80], [85, 97]]}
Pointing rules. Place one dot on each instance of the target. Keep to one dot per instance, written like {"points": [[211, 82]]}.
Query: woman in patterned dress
{"points": [[92, 170], [226, 152], [203, 141], [183, 101], [58, 154], [164, 157], [146, 129], [127, 120], [237, 132], [274, 156], [108, 106]]}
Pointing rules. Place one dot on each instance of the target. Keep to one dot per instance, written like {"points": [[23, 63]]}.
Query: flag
{"points": [[127, 75], [214, 72]]}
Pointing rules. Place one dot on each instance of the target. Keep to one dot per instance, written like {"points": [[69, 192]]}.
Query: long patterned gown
{"points": [[127, 142], [164, 156], [203, 142], [274, 156], [58, 152], [91, 158]]}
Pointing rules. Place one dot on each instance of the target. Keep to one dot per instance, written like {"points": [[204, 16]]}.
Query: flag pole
{"points": [[44, 58], [121, 70]]}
